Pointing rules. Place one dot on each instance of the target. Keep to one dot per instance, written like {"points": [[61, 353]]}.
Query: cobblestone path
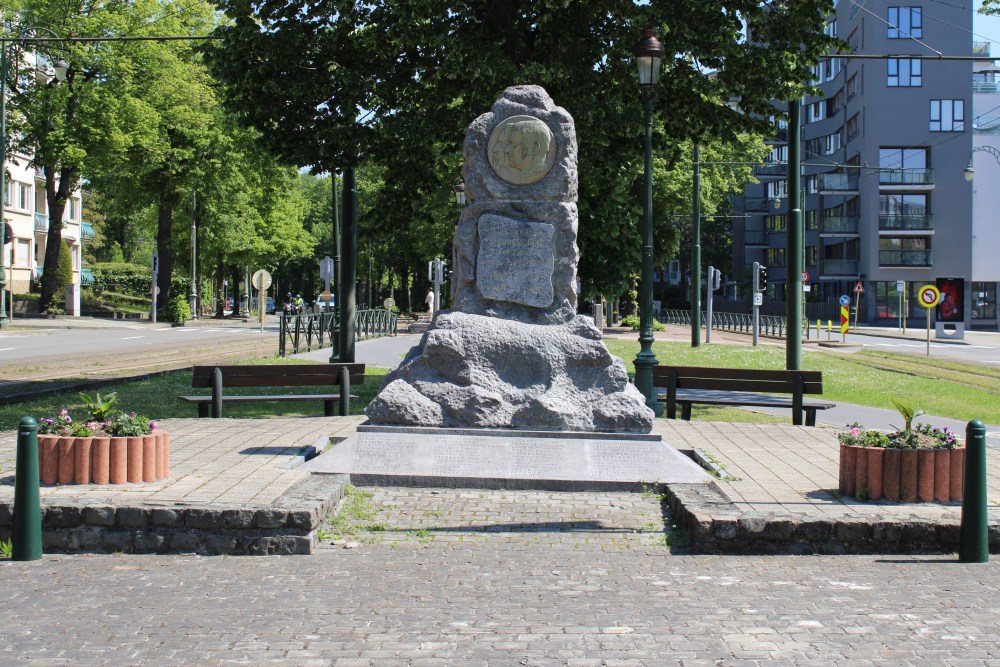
{"points": [[495, 578]]}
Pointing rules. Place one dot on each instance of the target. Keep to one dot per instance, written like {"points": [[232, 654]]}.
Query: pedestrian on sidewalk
{"points": [[430, 301]]}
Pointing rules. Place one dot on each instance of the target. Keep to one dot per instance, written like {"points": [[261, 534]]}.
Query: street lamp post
{"points": [[193, 295], [969, 171], [648, 54], [795, 250], [61, 67]]}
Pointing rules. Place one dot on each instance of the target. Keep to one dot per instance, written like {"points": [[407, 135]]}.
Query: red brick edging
{"points": [[909, 475], [103, 460]]}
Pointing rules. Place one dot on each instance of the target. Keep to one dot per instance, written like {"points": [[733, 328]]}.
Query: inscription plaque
{"points": [[516, 260]]}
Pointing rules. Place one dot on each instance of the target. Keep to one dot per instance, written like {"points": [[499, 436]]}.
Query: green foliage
{"points": [[633, 321], [177, 310], [128, 424], [908, 413], [6, 548], [99, 408], [64, 272]]}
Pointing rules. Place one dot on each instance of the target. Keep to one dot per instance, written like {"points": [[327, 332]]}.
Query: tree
{"points": [[423, 69]]}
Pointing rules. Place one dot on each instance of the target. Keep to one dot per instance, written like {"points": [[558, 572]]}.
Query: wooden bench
{"points": [[275, 375], [687, 385]]}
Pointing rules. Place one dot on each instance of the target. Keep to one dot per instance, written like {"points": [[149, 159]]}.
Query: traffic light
{"points": [[761, 278], [716, 279]]}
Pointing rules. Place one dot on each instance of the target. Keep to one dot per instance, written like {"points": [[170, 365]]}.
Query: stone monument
{"points": [[514, 353]]}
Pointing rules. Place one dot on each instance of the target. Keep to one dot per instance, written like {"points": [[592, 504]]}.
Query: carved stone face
{"points": [[521, 150]]}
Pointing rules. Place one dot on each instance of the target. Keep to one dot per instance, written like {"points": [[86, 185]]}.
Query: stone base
{"points": [[498, 459], [485, 372]]}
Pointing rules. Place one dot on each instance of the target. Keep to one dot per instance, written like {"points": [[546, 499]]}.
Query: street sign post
{"points": [[929, 296], [845, 318], [261, 280]]}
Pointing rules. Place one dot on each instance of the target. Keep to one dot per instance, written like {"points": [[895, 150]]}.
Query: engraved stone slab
{"points": [[506, 459], [516, 260], [521, 150]]}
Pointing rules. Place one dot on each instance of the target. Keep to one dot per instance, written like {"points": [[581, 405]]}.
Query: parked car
{"points": [[270, 306]]}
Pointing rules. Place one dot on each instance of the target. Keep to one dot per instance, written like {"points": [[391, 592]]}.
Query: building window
{"points": [[777, 189], [812, 256], [853, 126], [904, 72], [22, 255], [835, 103], [905, 22], [984, 301], [854, 40], [775, 256], [811, 223], [904, 251], [902, 158], [910, 205], [778, 154], [816, 111], [775, 223], [72, 209], [24, 196], [852, 86], [831, 143], [947, 116]]}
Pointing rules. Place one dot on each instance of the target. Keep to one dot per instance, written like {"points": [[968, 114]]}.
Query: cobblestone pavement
{"points": [[577, 595]]}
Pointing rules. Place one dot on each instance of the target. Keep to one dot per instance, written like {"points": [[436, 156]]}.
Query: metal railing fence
{"points": [[307, 331]]}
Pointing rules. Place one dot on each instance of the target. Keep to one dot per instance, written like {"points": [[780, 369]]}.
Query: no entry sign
{"points": [[929, 296]]}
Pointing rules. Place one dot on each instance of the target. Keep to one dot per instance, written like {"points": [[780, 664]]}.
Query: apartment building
{"points": [[26, 211], [887, 208]]}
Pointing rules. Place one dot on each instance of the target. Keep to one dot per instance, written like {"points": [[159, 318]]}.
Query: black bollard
{"points": [[345, 392], [217, 392], [27, 537], [973, 543]]}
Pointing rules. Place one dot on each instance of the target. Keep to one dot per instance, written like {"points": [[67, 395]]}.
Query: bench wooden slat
{"points": [[686, 385], [275, 375], [284, 375]]}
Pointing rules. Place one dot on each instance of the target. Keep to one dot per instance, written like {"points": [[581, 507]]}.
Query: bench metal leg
{"points": [[328, 408], [686, 411], [810, 416], [202, 410]]}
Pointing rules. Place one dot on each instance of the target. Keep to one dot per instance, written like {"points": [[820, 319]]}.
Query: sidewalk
{"points": [[234, 488]]}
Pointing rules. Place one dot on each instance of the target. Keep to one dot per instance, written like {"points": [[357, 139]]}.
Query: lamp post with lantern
{"points": [[648, 54]]}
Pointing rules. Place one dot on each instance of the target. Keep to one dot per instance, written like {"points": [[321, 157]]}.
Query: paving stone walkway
{"points": [[484, 603]]}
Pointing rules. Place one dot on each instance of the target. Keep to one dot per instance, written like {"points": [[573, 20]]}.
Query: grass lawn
{"points": [[939, 387], [156, 398]]}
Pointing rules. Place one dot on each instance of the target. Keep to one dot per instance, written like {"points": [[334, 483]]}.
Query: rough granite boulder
{"points": [[480, 371]]}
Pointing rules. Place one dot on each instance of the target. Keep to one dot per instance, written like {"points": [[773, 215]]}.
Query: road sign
{"points": [[845, 300], [389, 303], [325, 296], [929, 296], [859, 288], [261, 280], [326, 268], [900, 285], [758, 299], [845, 317], [805, 276]]}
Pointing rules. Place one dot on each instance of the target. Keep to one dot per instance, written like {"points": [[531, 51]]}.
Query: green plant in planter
{"points": [[910, 437], [99, 408], [125, 424]]}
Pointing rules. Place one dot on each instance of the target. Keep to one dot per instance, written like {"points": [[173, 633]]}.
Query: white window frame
{"points": [[22, 253]]}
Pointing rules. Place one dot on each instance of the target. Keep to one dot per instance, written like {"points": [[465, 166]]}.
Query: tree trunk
{"points": [[164, 247], [236, 279], [56, 195], [220, 291]]}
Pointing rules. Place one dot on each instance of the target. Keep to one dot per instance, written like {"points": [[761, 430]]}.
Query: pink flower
{"points": [[152, 426], [855, 432], [64, 412]]}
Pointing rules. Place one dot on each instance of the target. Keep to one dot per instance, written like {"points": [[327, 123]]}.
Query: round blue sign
{"points": [[845, 300]]}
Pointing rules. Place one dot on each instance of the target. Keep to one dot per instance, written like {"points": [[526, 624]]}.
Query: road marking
{"points": [[132, 337], [7, 349]]}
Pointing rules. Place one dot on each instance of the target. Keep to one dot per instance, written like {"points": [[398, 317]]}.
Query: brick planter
{"points": [[102, 460], [909, 475]]}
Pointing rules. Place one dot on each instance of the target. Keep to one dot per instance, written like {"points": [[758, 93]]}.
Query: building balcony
{"points": [[86, 231], [984, 87], [755, 237], [921, 177], [905, 222], [758, 204], [41, 223], [771, 170], [913, 258], [837, 182], [840, 267], [840, 226], [981, 49]]}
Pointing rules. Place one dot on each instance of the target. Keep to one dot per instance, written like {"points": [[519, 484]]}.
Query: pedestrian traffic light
{"points": [[761, 278]]}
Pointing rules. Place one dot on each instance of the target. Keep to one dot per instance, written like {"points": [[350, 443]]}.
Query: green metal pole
{"points": [[27, 537], [794, 247], [645, 360], [696, 250], [3, 182], [973, 539], [338, 281], [349, 263]]}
